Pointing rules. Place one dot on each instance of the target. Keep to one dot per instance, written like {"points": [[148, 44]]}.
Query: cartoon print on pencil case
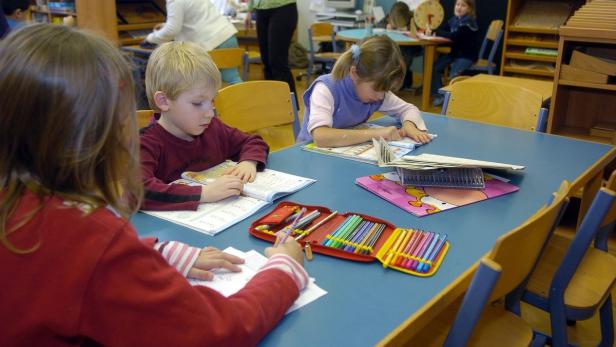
{"points": [[434, 199]]}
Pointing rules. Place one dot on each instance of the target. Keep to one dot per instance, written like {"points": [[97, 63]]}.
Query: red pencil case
{"points": [[360, 237]]}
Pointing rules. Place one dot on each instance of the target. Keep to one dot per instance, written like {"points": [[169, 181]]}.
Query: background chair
{"points": [[251, 57], [476, 320], [266, 108], [228, 58], [573, 281], [144, 117], [320, 32], [497, 103], [493, 36]]}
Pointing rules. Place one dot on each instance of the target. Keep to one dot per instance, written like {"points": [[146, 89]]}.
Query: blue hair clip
{"points": [[355, 52]]}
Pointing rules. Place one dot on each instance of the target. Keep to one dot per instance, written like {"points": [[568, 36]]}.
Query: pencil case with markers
{"points": [[356, 237]]}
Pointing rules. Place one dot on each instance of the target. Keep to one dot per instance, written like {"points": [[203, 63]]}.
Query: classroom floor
{"points": [[584, 333]]}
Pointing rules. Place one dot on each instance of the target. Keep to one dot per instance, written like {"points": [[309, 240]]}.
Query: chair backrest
{"points": [[262, 107], [320, 30], [227, 58], [494, 34], [518, 250], [144, 117], [495, 102]]}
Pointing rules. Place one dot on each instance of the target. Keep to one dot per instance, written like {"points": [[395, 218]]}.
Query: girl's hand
{"points": [[158, 26], [246, 170], [390, 133], [222, 187], [213, 258], [409, 129], [248, 20], [290, 247]]}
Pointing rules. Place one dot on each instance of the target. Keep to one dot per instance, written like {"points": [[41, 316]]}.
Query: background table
{"points": [[364, 301], [354, 35]]}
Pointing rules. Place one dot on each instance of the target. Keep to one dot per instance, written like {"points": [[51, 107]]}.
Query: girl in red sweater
{"points": [[73, 270]]}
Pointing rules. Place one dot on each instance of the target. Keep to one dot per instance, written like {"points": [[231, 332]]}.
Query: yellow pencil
{"points": [[393, 250], [312, 228]]}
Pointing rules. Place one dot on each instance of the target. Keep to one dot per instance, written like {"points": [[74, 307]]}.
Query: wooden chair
{"points": [[144, 117], [320, 32], [476, 320], [573, 281], [264, 107], [228, 58], [497, 103], [493, 36], [251, 57]]}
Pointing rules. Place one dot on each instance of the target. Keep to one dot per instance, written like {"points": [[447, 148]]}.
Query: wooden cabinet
{"points": [[533, 24], [586, 109]]}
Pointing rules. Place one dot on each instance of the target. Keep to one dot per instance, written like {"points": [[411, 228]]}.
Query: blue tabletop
{"points": [[358, 34], [364, 301]]}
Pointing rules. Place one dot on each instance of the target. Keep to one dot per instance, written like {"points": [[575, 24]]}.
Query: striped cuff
{"points": [[287, 264], [179, 255]]}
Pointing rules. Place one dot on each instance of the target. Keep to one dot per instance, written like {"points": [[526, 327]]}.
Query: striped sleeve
{"points": [[291, 267], [179, 255]]}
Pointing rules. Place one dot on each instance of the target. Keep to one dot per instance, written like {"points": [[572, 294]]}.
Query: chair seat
{"points": [[497, 327], [590, 283], [327, 55], [253, 56]]}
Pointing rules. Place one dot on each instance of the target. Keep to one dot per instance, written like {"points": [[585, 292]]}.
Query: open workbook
{"points": [[212, 218], [365, 152], [228, 283]]}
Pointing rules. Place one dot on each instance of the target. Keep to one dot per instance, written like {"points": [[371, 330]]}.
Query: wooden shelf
{"points": [[611, 87], [523, 71], [581, 134], [532, 43], [531, 57], [534, 30], [130, 41], [140, 26]]}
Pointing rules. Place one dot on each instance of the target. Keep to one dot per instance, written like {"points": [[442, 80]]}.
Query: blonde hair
{"points": [[68, 125], [176, 67], [379, 60], [400, 15]]}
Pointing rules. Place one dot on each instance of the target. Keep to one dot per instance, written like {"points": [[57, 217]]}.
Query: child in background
{"points": [[181, 82], [69, 174], [359, 85], [461, 29], [198, 21], [17, 13], [399, 18]]}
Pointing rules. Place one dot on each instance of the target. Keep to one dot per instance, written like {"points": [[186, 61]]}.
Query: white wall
{"points": [[306, 17]]}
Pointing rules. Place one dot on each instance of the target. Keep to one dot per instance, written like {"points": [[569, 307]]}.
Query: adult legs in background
{"points": [[275, 28], [230, 75]]}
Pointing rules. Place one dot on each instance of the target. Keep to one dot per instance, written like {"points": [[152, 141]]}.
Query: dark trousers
{"points": [[275, 28]]}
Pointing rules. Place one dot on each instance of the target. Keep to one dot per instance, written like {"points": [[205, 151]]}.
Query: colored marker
{"points": [[314, 227], [397, 256], [394, 249], [416, 242], [291, 227], [427, 253], [437, 250]]}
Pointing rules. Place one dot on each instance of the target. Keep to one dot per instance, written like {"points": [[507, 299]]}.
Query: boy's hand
{"points": [[213, 258], [246, 170], [222, 187], [409, 129], [290, 247], [390, 133]]}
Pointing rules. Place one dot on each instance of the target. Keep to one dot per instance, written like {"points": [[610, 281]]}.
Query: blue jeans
{"points": [[231, 76], [457, 67]]}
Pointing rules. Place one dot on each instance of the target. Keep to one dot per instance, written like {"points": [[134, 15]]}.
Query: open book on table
{"points": [[212, 218], [365, 152], [228, 283]]}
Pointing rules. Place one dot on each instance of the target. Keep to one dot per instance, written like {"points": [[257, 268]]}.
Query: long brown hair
{"points": [[379, 60], [67, 123]]}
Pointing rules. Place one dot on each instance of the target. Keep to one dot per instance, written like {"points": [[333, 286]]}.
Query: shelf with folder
{"points": [[527, 71], [533, 43], [534, 30], [523, 56]]}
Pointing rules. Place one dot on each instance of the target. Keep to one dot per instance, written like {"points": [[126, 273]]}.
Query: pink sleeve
{"points": [[291, 267], [394, 106], [321, 108]]}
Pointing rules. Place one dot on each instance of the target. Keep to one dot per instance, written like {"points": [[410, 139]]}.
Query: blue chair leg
{"points": [[558, 321], [446, 95], [607, 323]]}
